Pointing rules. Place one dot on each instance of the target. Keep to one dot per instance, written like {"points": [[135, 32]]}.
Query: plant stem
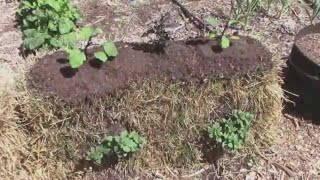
{"points": [[89, 43], [227, 23], [225, 28]]}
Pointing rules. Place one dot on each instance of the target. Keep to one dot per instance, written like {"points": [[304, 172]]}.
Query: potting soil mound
{"points": [[310, 46], [193, 60]]}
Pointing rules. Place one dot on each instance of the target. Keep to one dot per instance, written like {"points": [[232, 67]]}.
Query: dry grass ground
{"points": [[172, 118], [38, 143]]}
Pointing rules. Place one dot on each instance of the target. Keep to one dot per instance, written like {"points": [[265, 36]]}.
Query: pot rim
{"points": [[310, 29]]}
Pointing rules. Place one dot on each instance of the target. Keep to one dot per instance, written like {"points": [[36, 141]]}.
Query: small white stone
{"points": [[6, 77], [251, 176]]}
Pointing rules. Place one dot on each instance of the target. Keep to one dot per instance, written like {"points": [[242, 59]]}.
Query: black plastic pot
{"points": [[306, 68]]}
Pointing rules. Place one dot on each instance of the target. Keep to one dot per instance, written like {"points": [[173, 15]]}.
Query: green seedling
{"points": [[110, 50], [223, 39], [119, 146], [159, 30], [230, 133], [77, 57]]}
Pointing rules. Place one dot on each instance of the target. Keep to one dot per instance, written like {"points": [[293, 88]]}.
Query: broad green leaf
{"points": [[124, 140], [117, 139], [131, 144], [109, 138], [76, 58], [136, 139], [101, 56], [237, 146], [219, 140], [69, 40], [133, 134], [34, 39], [106, 151], [210, 135], [86, 33], [65, 25], [212, 35], [225, 42], [99, 161], [52, 26], [30, 32], [126, 149], [110, 49], [39, 13], [99, 149], [31, 18], [214, 22], [54, 4], [123, 134], [55, 42], [116, 148], [97, 31]]}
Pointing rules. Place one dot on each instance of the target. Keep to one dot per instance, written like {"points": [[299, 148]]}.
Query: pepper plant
{"points": [[230, 133], [119, 146]]}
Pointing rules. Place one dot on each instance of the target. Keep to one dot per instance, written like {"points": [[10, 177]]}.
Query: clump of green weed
{"points": [[230, 133], [42, 20], [119, 146], [52, 24]]}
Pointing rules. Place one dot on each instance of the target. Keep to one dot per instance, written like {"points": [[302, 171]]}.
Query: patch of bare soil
{"points": [[146, 12], [10, 37], [180, 61], [99, 15], [310, 45]]}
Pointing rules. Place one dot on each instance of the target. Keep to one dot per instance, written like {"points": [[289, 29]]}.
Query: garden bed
{"points": [[170, 97], [194, 60]]}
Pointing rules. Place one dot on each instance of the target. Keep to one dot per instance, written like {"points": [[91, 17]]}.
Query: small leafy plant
{"points": [[109, 50], [230, 133], [70, 43], [42, 20], [119, 146], [223, 39], [160, 32], [52, 24]]}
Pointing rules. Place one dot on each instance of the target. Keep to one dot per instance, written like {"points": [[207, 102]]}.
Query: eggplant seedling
{"points": [[223, 39]]}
